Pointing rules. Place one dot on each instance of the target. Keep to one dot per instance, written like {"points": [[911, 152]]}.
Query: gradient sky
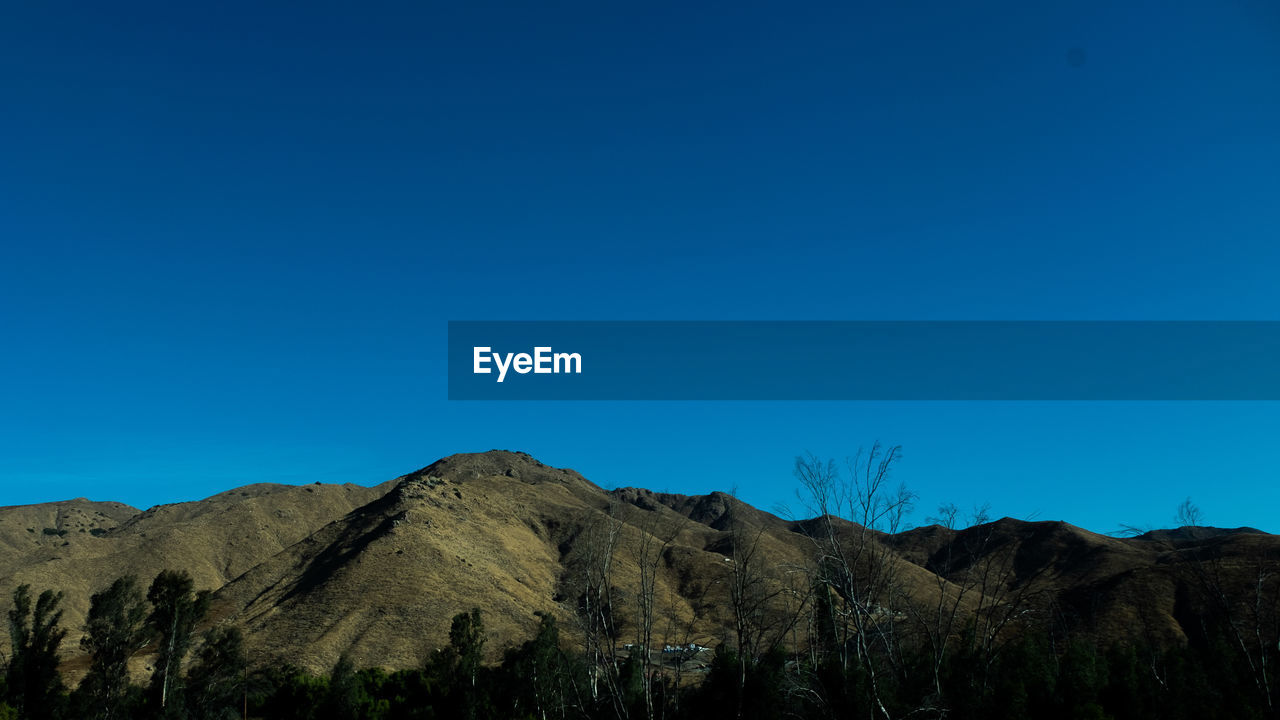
{"points": [[232, 235]]}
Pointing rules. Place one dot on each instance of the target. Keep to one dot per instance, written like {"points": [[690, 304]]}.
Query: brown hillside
{"points": [[497, 531], [215, 539], [313, 572]]}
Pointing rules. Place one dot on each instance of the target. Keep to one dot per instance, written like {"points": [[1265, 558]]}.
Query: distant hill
{"points": [[316, 571]]}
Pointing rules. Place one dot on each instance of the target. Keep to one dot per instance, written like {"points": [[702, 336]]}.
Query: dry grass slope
{"points": [[316, 571]]}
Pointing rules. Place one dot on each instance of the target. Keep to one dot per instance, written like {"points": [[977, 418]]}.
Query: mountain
{"points": [[313, 572]]}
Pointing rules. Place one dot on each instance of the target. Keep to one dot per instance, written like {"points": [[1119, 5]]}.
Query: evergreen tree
{"points": [[540, 679], [285, 692], [342, 701], [175, 612], [215, 683], [466, 638], [724, 694], [113, 633], [33, 687], [457, 667]]}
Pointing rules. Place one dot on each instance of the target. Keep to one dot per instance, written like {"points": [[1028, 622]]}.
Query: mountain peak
{"points": [[522, 466]]}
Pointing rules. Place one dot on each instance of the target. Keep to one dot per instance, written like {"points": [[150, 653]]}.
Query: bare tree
{"points": [[657, 532], [859, 571], [1188, 515], [590, 584], [1240, 590], [765, 599], [939, 620], [1004, 600], [681, 631]]}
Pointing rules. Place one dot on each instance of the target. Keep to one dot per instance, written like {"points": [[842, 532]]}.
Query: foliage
{"points": [[215, 683], [1041, 675], [114, 631], [33, 687], [844, 639], [175, 611], [542, 680]]}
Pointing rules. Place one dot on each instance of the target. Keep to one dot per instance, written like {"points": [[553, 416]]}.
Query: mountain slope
{"points": [[80, 547], [314, 572]]}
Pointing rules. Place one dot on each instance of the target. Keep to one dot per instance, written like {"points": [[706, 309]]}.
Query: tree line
{"points": [[846, 634], [120, 623]]}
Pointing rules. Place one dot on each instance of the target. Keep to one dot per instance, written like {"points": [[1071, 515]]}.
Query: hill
{"points": [[313, 572]]}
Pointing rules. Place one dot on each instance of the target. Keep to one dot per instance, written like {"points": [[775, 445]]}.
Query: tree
{"points": [[860, 571], [954, 573], [1240, 593], [590, 580], [215, 683], [543, 681], [979, 598], [466, 638], [656, 534], [114, 631], [33, 686], [458, 666], [342, 701], [1188, 515], [174, 614], [763, 603]]}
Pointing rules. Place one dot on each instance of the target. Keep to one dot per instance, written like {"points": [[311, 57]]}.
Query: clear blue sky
{"points": [[232, 235]]}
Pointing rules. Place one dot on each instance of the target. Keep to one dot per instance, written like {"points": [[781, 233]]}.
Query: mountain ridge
{"points": [[314, 572]]}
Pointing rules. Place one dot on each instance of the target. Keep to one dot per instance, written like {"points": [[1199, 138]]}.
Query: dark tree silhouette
{"points": [[114, 631], [215, 683], [175, 610], [33, 686]]}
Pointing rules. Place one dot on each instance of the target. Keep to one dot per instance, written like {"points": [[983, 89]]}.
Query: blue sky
{"points": [[232, 236]]}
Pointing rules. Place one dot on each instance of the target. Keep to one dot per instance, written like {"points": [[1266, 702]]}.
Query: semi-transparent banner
{"points": [[643, 360]]}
